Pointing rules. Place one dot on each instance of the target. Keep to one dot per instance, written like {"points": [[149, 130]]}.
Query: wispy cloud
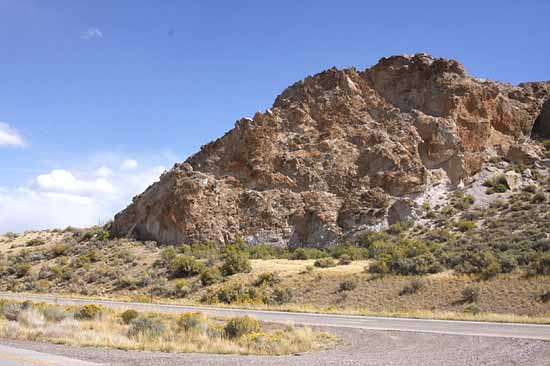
{"points": [[9, 136], [129, 164], [91, 33]]}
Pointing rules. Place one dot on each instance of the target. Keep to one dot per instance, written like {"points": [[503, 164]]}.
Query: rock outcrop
{"points": [[339, 152]]}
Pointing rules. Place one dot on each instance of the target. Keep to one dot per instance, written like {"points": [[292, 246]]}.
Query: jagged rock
{"points": [[513, 179], [326, 161], [527, 153]]}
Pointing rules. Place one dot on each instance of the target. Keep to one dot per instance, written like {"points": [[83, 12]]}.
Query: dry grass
{"points": [[108, 330]]}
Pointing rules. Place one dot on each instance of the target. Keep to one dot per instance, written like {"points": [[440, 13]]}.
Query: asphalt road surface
{"points": [[369, 341], [11, 356]]}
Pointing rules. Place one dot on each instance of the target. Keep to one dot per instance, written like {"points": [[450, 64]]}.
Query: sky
{"points": [[98, 98]]}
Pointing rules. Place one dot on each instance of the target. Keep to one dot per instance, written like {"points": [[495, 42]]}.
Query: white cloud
{"points": [[60, 180], [9, 136], [91, 33], [129, 164], [61, 197], [103, 171]]}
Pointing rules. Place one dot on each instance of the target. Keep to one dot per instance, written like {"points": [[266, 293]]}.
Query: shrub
{"points": [[496, 185], [412, 287], [307, 253], [22, 269], [35, 242], [11, 311], [185, 266], [240, 326], [268, 279], [240, 295], [471, 293], [145, 327], [129, 315], [538, 198], [325, 263], [541, 265], [531, 188], [55, 314], [348, 285], [465, 225], [282, 296], [461, 201], [235, 262], [472, 309], [89, 312], [31, 318], [192, 321], [168, 255], [344, 260], [380, 266], [211, 276], [59, 250], [545, 296], [265, 251]]}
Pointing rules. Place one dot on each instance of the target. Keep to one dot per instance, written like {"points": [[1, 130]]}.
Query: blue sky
{"points": [[97, 97]]}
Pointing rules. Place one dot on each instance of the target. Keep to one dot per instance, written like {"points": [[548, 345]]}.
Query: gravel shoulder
{"points": [[360, 347]]}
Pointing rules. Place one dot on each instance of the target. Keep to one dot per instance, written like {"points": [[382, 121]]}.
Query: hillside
{"points": [[409, 187], [341, 153]]}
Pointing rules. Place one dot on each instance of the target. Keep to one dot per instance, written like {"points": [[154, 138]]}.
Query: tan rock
{"points": [[336, 148]]}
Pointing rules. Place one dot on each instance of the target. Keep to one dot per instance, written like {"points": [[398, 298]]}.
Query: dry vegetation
{"points": [[93, 325], [413, 269]]}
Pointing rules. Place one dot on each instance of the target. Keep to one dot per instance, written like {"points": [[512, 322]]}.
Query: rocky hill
{"points": [[343, 152]]}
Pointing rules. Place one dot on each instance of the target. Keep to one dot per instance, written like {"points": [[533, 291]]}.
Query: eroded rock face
{"points": [[335, 152]]}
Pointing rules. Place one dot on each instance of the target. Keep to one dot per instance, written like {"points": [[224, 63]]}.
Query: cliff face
{"points": [[338, 153]]}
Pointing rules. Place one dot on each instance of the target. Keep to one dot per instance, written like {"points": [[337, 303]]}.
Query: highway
{"points": [[470, 328]]}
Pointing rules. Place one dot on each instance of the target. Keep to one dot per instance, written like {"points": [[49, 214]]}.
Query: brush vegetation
{"points": [[132, 330]]}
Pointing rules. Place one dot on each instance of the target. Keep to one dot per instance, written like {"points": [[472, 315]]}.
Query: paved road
{"points": [[11, 356], [485, 329]]}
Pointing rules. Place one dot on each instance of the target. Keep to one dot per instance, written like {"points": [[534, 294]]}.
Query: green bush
{"points": [[471, 294], [496, 185], [146, 327], [129, 315], [325, 263], [465, 225], [380, 266], [235, 262], [268, 279], [307, 253], [185, 266], [265, 251], [238, 327], [89, 312], [348, 285], [211, 276], [192, 321], [240, 295]]}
